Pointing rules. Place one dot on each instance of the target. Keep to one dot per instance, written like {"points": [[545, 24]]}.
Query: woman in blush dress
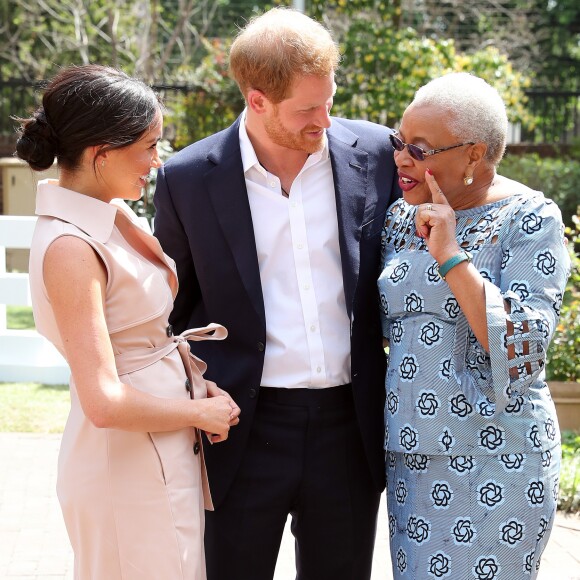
{"points": [[131, 476], [474, 270]]}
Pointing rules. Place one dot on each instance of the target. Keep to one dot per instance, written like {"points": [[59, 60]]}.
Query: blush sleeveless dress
{"points": [[133, 502]]}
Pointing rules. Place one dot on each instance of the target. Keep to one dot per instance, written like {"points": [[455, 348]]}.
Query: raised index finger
{"points": [[437, 194]]}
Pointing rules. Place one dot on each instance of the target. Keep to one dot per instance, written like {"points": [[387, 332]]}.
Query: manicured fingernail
{"points": [[429, 171]]}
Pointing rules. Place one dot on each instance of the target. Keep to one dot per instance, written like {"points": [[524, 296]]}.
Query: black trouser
{"points": [[305, 458]]}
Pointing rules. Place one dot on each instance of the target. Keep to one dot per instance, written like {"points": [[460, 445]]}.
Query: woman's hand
{"points": [[214, 417], [214, 391], [436, 223]]}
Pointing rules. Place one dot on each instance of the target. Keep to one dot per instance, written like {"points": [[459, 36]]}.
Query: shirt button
{"points": [[300, 246], [313, 328], [196, 447], [253, 392], [272, 184], [187, 386], [318, 369], [306, 286], [261, 346], [169, 330]]}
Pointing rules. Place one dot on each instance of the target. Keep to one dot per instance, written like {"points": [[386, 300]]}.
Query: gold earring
{"points": [[468, 179]]}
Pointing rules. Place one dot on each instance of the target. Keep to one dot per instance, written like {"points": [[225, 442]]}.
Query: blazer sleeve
{"points": [[169, 230]]}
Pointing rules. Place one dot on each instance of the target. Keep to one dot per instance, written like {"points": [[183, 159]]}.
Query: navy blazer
{"points": [[204, 223]]}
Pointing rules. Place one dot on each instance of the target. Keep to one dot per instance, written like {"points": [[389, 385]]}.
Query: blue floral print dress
{"points": [[472, 439]]}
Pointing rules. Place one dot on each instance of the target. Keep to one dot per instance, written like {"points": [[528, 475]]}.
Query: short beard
{"points": [[297, 141]]}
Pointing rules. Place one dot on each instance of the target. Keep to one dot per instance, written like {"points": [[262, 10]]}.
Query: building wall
{"points": [[18, 195]]}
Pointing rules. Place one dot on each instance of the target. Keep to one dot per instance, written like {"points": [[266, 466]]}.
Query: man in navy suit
{"points": [[275, 227]]}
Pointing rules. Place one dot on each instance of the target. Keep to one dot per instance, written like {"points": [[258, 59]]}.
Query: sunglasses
{"points": [[416, 152]]}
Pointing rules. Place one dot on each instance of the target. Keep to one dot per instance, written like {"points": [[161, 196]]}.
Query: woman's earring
{"points": [[468, 179], [103, 163]]}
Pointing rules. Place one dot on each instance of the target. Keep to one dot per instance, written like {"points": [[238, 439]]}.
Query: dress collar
{"points": [[97, 219], [93, 216]]}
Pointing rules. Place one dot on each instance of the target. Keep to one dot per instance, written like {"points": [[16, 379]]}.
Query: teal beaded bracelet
{"points": [[452, 262]]}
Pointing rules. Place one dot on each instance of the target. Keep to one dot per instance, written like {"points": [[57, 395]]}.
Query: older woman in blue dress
{"points": [[474, 270]]}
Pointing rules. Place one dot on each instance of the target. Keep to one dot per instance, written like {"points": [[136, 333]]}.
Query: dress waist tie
{"points": [[137, 359]]}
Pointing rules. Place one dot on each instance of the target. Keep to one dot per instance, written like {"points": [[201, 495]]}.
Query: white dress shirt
{"points": [[307, 325]]}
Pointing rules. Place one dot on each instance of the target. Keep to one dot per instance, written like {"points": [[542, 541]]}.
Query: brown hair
{"points": [[276, 47], [84, 106]]}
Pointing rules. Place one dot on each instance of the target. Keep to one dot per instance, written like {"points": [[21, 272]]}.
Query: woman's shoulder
{"points": [[49, 229], [532, 214], [525, 198], [62, 245]]}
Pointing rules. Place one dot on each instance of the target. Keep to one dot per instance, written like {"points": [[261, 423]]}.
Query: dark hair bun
{"points": [[38, 143]]}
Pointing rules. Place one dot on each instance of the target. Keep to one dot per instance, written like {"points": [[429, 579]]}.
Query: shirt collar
{"points": [[93, 216], [250, 159]]}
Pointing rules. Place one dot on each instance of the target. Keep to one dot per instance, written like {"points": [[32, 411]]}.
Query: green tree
{"points": [[157, 40], [384, 62]]}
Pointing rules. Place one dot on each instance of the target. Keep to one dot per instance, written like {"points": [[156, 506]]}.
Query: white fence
{"points": [[25, 356]]}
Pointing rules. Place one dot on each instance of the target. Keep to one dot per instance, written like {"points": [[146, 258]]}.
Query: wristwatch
{"points": [[463, 256]]}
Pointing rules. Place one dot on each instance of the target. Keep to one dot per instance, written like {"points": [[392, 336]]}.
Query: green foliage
{"points": [[151, 39], [559, 43], [383, 64], [382, 69], [212, 104], [19, 318], [38, 37], [33, 407], [176, 42], [569, 496], [556, 177]]}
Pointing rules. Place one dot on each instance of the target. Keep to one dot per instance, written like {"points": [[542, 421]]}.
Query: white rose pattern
{"points": [[447, 440]]}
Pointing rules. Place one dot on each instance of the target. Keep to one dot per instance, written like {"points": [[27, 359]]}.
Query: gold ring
{"points": [[429, 207]]}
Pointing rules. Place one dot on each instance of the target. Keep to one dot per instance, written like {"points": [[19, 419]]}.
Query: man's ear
{"points": [[257, 101]]}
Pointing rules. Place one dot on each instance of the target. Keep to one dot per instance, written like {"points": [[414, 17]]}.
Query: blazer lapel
{"points": [[227, 191], [350, 172]]}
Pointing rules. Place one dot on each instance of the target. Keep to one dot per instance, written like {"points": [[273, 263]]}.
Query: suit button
{"points": [[187, 386], [169, 330], [196, 448], [261, 346], [253, 393]]}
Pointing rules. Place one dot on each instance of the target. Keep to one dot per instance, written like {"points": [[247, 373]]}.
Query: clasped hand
{"points": [[221, 413]]}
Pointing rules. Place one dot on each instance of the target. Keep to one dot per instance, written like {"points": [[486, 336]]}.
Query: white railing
{"points": [[25, 356]]}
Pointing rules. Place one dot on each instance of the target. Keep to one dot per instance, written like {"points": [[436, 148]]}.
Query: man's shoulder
{"points": [[362, 127], [201, 150]]}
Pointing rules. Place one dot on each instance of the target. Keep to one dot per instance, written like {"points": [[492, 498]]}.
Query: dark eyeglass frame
{"points": [[416, 152]]}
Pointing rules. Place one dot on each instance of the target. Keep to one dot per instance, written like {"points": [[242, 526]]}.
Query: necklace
{"points": [[284, 192]]}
